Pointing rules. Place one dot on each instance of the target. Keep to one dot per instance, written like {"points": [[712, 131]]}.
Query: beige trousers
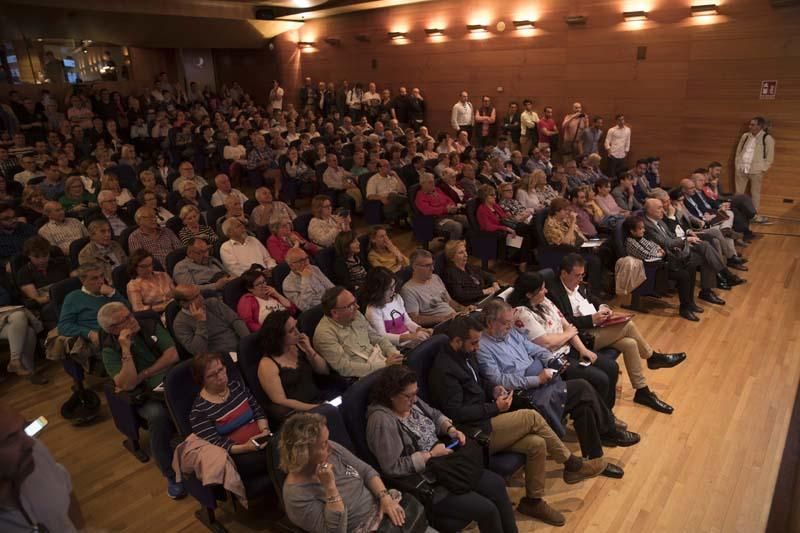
{"points": [[627, 339], [526, 431], [754, 178]]}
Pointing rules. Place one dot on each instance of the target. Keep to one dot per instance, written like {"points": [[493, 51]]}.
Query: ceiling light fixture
{"points": [[477, 28], [632, 16], [434, 32], [524, 24], [705, 9], [305, 44], [397, 35], [576, 20]]}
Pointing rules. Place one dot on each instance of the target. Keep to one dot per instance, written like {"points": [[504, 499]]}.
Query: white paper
{"points": [[514, 241], [593, 244]]}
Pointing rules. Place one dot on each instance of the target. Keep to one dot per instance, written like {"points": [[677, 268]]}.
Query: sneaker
{"points": [[542, 511], [589, 468], [15, 367], [761, 219], [175, 489]]}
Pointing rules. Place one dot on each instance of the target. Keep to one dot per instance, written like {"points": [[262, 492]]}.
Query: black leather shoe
{"points": [[647, 397], [665, 360], [710, 297], [689, 315], [734, 280], [742, 259], [722, 283], [613, 471], [620, 438], [694, 308], [738, 266]]}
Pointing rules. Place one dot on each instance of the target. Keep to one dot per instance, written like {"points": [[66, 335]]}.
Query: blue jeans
{"points": [[161, 430]]}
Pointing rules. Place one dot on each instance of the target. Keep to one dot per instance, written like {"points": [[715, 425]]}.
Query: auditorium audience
{"points": [[206, 324], [60, 230], [283, 238], [305, 284], [348, 269], [192, 227], [433, 202], [241, 251], [269, 211], [425, 295], [383, 252], [386, 312], [260, 300], [148, 289], [151, 237], [466, 283], [325, 226], [101, 249]]}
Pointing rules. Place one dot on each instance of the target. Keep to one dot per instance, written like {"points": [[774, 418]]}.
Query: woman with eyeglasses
{"points": [[150, 199], [325, 226], [260, 300], [287, 367], [226, 414], [405, 433], [386, 312], [148, 290], [348, 269]]}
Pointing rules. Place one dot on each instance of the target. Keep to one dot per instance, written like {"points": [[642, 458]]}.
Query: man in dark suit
{"points": [[477, 407], [118, 219], [710, 262], [582, 311]]}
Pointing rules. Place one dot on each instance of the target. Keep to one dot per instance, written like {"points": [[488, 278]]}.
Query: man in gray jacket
{"points": [[206, 324], [754, 155]]}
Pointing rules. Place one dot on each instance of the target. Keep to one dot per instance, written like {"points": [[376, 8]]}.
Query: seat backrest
{"points": [[75, 248], [355, 401], [249, 205], [412, 199], [173, 197], [170, 313], [207, 192], [472, 214], [120, 279], [124, 236], [421, 359], [618, 241], [249, 357], [309, 319], [439, 264], [60, 289], [548, 275], [363, 241], [214, 214], [279, 274], [538, 224], [324, 259], [232, 291], [301, 224], [173, 258], [175, 224]]}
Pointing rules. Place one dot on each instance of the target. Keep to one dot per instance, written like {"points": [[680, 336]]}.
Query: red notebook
{"points": [[613, 320]]}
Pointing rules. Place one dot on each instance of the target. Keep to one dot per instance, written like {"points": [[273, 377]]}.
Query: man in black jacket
{"points": [[582, 311], [475, 406]]}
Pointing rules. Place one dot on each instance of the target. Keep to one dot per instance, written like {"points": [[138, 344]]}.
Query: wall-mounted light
{"points": [[477, 28], [705, 9], [575, 20], [524, 24], [333, 41], [397, 35], [434, 32], [632, 16], [39, 39], [362, 38], [303, 45]]}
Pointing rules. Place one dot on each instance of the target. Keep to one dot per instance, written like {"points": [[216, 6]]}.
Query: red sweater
{"points": [[434, 204], [489, 219], [278, 247]]}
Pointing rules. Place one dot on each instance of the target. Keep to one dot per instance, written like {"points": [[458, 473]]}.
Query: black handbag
{"points": [[416, 521], [460, 471]]}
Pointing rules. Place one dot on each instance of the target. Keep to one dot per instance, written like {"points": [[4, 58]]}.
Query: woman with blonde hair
{"points": [[327, 488], [466, 283], [192, 228], [325, 226], [76, 201], [110, 183]]}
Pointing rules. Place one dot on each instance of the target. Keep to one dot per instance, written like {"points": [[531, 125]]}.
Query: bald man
{"points": [[59, 230], [35, 490], [225, 190], [572, 128]]}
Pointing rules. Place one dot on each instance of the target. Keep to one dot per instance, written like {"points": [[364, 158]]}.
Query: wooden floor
{"points": [[710, 467]]}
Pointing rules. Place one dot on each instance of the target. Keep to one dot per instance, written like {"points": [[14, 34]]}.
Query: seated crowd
{"points": [[147, 208]]}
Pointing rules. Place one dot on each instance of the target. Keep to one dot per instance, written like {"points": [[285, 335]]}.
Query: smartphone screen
{"points": [[336, 402], [36, 426], [453, 444], [262, 440]]}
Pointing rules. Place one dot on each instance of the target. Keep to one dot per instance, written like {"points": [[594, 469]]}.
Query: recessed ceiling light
{"points": [[705, 9], [631, 16], [477, 28]]}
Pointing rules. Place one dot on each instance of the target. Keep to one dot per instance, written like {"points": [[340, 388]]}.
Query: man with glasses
{"points": [[426, 298], [186, 173], [118, 220], [59, 230], [13, 233], [28, 170], [345, 339], [137, 353], [200, 269], [152, 237], [102, 249], [305, 284], [206, 324]]}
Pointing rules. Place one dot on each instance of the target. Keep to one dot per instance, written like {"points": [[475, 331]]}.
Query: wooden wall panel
{"points": [[688, 101]]}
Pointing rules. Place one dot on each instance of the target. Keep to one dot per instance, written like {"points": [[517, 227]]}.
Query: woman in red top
{"points": [[283, 238], [492, 217]]}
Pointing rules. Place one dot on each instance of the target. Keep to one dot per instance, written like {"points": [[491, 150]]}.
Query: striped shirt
{"points": [[159, 245], [234, 421], [62, 234], [643, 249]]}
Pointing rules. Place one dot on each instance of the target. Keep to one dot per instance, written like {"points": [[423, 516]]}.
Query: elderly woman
{"points": [[534, 193], [102, 249], [76, 201], [561, 227], [449, 185], [32, 205], [325, 226], [404, 433], [148, 290], [386, 311], [110, 183], [429, 150], [513, 207], [234, 152], [492, 217], [592, 168], [287, 366], [383, 252], [150, 199], [269, 211], [192, 228], [150, 183], [241, 251], [348, 269], [283, 238], [327, 488], [260, 300], [466, 283], [226, 415], [190, 196]]}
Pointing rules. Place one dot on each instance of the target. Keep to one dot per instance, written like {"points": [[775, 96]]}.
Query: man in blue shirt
{"points": [[506, 357]]}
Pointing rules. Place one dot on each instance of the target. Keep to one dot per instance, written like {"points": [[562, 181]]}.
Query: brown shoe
{"points": [[589, 468], [15, 367], [542, 511]]}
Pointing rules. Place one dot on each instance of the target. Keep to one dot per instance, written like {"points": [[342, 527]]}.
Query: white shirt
{"points": [[535, 326], [747, 153], [26, 175], [219, 197], [580, 305], [528, 120], [462, 115], [384, 185], [238, 257], [618, 141]]}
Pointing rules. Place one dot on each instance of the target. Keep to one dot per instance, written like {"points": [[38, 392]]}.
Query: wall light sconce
{"points": [[434, 32], [397, 35], [303, 45], [631, 16], [524, 24], [576, 20], [477, 28], [333, 41], [705, 9]]}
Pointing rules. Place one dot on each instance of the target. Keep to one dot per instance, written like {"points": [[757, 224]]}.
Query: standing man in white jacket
{"points": [[618, 144], [462, 118], [754, 155]]}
